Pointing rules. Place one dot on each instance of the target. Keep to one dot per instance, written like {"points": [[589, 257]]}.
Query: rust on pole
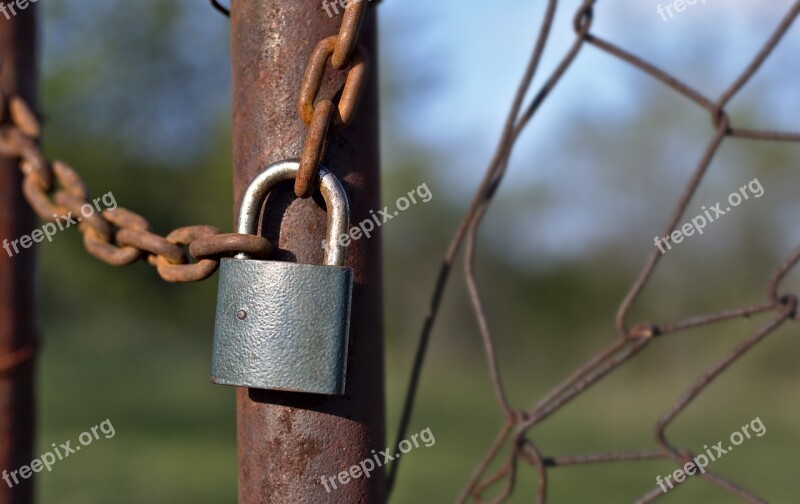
{"points": [[18, 332], [287, 442]]}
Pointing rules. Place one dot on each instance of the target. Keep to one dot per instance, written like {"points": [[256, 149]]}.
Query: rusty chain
{"points": [[120, 237], [321, 115], [631, 339], [11, 362], [117, 237], [221, 8]]}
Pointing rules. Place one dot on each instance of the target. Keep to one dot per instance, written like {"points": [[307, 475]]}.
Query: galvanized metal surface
{"points": [[332, 192], [18, 331], [288, 441], [282, 325]]}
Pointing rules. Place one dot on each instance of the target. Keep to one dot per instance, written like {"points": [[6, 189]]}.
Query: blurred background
{"points": [[138, 101]]}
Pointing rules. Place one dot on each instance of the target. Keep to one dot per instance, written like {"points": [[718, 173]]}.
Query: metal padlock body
{"points": [[280, 325]]}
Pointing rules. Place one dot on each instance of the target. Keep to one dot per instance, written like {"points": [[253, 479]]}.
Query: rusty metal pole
{"points": [[18, 332], [287, 441]]}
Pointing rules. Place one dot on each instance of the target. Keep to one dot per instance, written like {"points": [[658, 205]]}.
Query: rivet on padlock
{"points": [[281, 325]]}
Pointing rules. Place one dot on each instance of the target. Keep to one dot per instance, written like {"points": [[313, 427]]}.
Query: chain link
{"points": [[120, 237], [320, 114], [14, 361], [221, 8], [117, 237]]}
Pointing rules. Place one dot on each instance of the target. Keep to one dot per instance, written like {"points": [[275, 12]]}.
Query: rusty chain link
{"points": [[120, 237], [221, 8], [321, 115], [117, 237], [513, 443], [12, 362]]}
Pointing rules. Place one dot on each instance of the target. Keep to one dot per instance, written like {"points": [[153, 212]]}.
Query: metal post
{"points": [[18, 333], [287, 441]]}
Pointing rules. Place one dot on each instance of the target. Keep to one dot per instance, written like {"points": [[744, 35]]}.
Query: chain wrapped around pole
{"points": [[119, 237]]}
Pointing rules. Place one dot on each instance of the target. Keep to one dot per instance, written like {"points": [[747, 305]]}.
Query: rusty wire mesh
{"points": [[631, 338]]}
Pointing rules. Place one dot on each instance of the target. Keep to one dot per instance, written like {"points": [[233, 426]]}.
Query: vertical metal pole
{"points": [[18, 333], [288, 442]]}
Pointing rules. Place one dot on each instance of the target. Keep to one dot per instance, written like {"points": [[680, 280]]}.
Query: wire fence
{"points": [[631, 339]]}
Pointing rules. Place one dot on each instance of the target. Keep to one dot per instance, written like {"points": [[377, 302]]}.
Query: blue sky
{"points": [[473, 51], [465, 59]]}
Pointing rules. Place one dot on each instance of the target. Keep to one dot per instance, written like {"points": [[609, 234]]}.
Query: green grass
{"points": [[175, 433]]}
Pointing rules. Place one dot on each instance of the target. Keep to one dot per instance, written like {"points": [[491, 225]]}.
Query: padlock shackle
{"points": [[331, 189]]}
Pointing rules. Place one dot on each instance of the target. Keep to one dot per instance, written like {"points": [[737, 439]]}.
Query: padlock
{"points": [[281, 325]]}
